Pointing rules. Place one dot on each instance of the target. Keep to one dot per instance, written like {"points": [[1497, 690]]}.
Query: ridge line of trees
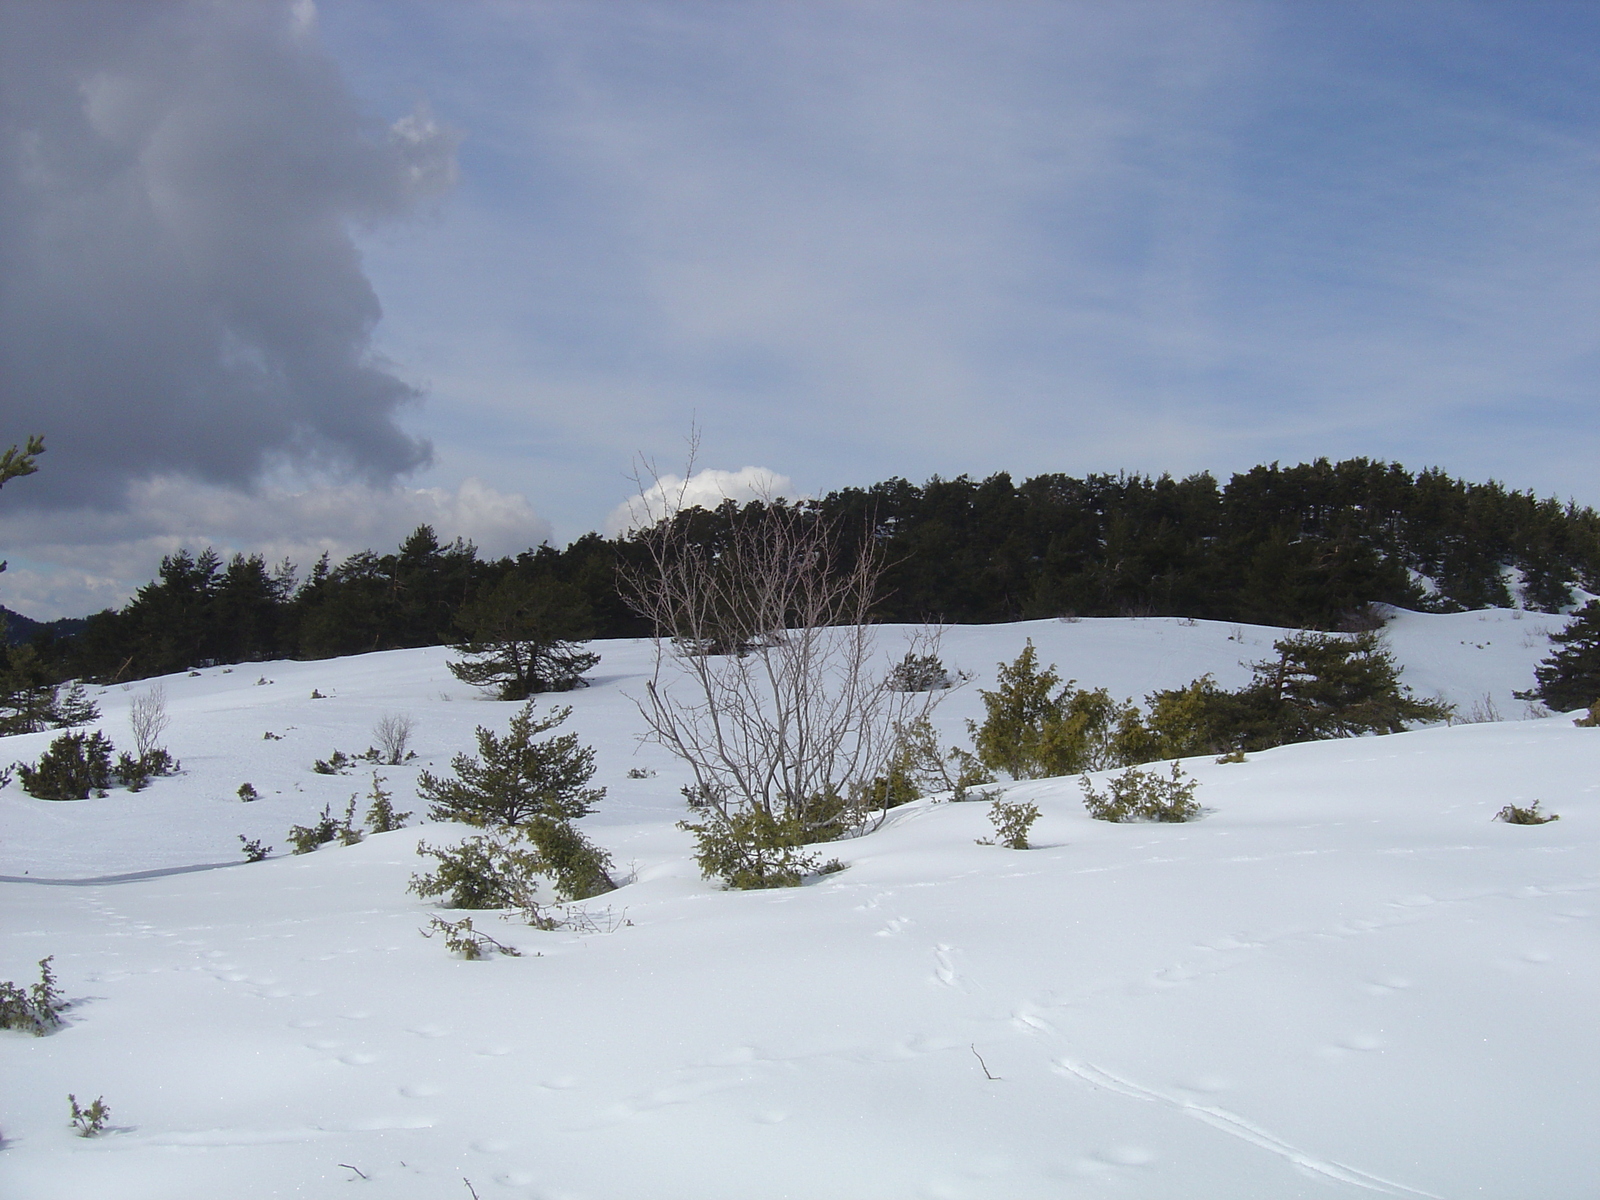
{"points": [[1308, 546]]}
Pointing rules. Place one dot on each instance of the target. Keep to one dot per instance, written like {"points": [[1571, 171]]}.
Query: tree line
{"points": [[1307, 546]]}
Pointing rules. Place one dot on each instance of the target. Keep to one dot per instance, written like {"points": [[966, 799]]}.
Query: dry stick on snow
{"points": [[357, 1170], [984, 1065]]}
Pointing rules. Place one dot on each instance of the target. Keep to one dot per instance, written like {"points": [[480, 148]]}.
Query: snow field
{"points": [[1345, 980]]}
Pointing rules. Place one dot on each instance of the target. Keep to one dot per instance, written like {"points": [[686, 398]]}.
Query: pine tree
{"points": [[1570, 677], [515, 778], [522, 637]]}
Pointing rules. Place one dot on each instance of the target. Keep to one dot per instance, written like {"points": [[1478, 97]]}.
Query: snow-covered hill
{"points": [[1346, 979]]}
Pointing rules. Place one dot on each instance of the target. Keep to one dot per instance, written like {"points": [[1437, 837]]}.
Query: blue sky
{"points": [[854, 241]]}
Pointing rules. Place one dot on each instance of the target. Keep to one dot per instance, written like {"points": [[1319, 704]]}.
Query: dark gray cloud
{"points": [[179, 289]]}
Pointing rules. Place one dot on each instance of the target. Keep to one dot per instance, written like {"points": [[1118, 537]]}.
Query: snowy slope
{"points": [[1345, 980]]}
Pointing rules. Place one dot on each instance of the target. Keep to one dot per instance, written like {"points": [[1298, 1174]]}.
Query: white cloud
{"points": [[704, 489], [73, 562]]}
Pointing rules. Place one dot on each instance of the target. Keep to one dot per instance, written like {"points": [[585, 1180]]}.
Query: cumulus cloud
{"points": [[66, 562], [667, 494], [180, 294]]}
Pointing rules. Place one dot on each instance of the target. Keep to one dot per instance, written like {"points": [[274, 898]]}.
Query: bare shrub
{"points": [[764, 679], [392, 734], [148, 716]]}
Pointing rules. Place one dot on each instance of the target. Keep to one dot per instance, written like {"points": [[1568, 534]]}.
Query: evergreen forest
{"points": [[1308, 546]]}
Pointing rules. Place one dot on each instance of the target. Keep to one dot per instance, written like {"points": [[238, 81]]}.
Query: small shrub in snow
{"points": [[269, 736], [1137, 795], [1516, 814], [36, 1009], [1036, 725], [461, 938], [696, 795], [640, 773], [919, 673], [75, 765], [392, 734], [1011, 820], [1236, 755], [516, 777], [491, 870], [254, 851], [135, 773], [90, 1121], [316, 695], [750, 848], [306, 838], [248, 793], [340, 763], [381, 815]]}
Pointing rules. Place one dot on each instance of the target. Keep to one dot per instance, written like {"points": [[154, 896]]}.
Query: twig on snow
{"points": [[984, 1065]]}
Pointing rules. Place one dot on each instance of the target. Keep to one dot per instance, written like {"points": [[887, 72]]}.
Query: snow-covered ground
{"points": [[1345, 980]]}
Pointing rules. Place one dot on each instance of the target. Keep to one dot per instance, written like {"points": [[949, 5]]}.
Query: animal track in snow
{"points": [[1239, 1127], [944, 969]]}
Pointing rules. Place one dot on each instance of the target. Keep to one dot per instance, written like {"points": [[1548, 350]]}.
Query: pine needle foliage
{"points": [[523, 637], [1569, 678], [35, 1009], [1137, 795], [1012, 819], [516, 777], [527, 791], [75, 766]]}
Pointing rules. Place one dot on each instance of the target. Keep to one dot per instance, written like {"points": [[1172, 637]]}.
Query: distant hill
{"points": [[21, 629]]}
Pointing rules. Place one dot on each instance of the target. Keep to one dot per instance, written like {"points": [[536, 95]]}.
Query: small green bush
{"points": [[1137, 795], [136, 772], [1516, 814], [36, 1009], [340, 763], [306, 838], [490, 870], [1037, 726], [254, 851], [919, 673], [579, 868], [90, 1121], [1011, 820], [248, 793], [381, 815], [516, 777], [751, 848], [75, 765]]}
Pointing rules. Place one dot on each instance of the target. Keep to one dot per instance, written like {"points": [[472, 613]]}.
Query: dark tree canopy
{"points": [[1570, 677], [1306, 546]]}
